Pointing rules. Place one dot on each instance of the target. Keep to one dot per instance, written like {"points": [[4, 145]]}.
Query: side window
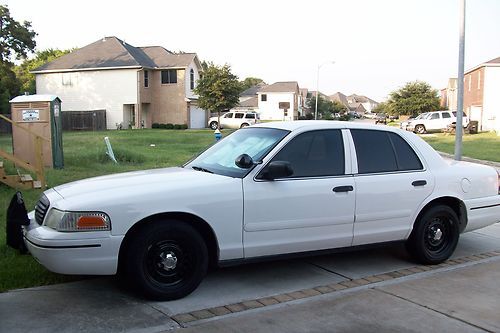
{"points": [[238, 115], [434, 116], [191, 79], [380, 151], [406, 157], [314, 154], [228, 115], [446, 115], [250, 116], [374, 151]]}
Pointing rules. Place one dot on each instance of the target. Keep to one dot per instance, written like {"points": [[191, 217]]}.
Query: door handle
{"points": [[346, 188], [419, 183]]}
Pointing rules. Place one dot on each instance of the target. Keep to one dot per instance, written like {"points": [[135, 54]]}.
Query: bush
{"points": [[169, 126], [177, 126], [155, 125], [184, 126], [163, 126]]}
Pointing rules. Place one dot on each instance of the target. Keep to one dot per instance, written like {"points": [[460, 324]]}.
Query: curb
{"points": [[472, 160]]}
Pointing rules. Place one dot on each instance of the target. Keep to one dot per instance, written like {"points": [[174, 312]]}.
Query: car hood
{"points": [[133, 180]]}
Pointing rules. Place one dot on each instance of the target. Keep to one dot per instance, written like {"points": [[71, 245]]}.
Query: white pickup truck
{"points": [[435, 121]]}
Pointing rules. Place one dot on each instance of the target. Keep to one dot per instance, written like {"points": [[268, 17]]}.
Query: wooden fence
{"points": [[94, 120]]}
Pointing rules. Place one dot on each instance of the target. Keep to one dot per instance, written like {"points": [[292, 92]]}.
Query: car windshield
{"points": [[420, 116], [220, 158]]}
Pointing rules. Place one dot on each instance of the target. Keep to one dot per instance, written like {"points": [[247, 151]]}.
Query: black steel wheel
{"points": [[213, 125], [434, 236], [166, 260]]}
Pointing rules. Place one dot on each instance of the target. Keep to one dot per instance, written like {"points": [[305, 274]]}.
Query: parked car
{"points": [[404, 124], [263, 191], [381, 118], [434, 121], [234, 119]]}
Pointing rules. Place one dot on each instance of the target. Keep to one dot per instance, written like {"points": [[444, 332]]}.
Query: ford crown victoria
{"points": [[263, 191]]}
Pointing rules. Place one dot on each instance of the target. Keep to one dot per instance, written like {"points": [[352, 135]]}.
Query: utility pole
{"points": [[460, 85]]}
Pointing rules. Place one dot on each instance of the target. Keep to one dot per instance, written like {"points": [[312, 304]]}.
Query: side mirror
{"points": [[244, 161], [277, 169]]}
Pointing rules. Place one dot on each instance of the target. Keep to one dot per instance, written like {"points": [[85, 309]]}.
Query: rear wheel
{"points": [[166, 261], [420, 129], [243, 125], [434, 236], [213, 125]]}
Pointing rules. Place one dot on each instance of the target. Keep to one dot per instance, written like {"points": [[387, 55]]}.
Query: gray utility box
{"points": [[41, 114]]}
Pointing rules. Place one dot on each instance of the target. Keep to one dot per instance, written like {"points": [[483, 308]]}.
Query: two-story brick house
{"points": [[481, 100], [136, 86]]}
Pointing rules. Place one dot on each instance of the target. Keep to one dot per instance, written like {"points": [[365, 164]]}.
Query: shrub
{"points": [[169, 126], [155, 125], [184, 126], [163, 126], [177, 126]]}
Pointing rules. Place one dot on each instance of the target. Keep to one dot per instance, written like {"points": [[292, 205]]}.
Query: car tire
{"points": [[213, 125], [166, 261], [434, 236], [420, 129], [244, 125]]}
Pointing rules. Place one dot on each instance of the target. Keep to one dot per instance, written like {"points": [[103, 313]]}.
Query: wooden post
{"points": [[40, 174]]}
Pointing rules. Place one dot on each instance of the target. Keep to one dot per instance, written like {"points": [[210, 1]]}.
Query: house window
{"points": [[169, 76], [146, 79], [263, 97], [191, 78]]}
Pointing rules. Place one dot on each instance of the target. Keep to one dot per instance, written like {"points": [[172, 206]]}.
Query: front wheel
{"points": [[434, 236], [420, 129], [213, 125], [166, 260], [243, 125]]}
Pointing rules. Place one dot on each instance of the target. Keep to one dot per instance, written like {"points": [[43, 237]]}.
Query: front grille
{"points": [[41, 209]]}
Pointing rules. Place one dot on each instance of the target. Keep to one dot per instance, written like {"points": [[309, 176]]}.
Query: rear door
{"points": [[391, 182]]}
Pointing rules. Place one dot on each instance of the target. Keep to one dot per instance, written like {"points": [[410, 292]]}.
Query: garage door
{"points": [[197, 117]]}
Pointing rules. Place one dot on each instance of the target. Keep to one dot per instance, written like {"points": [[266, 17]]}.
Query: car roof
{"points": [[323, 124]]}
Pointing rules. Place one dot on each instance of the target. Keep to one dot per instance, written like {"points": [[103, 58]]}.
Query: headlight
{"points": [[77, 221]]}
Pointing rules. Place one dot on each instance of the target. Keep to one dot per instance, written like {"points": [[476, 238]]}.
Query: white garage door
{"points": [[198, 119]]}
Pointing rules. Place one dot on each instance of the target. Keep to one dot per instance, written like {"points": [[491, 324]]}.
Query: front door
{"points": [[312, 209]]}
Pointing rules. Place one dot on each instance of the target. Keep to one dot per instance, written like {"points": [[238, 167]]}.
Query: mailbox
{"points": [[40, 114]]}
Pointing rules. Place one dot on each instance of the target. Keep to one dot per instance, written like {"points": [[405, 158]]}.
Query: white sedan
{"points": [[265, 190]]}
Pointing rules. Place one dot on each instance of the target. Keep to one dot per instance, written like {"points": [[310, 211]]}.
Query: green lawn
{"points": [[84, 156], [483, 146]]}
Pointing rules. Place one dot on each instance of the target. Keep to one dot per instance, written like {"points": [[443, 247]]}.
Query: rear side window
{"points": [[446, 115], [380, 151], [250, 116], [238, 115]]}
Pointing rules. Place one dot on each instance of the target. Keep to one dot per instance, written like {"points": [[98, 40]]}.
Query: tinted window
{"points": [[379, 151], [228, 115], [315, 153], [238, 115], [250, 115], [446, 115], [374, 151], [405, 155]]}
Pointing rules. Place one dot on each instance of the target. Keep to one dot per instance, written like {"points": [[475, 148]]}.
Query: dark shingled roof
{"points": [[113, 52], [291, 86], [339, 97], [251, 102], [252, 90]]}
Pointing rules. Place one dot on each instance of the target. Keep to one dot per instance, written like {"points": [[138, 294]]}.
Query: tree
{"points": [[326, 108], [250, 82], [412, 99], [218, 89], [26, 79], [16, 41], [382, 108]]}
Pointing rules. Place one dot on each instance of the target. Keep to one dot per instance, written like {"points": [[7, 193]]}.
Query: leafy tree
{"points": [[250, 82], [16, 41], [26, 79], [412, 99], [382, 108], [218, 89], [326, 108]]}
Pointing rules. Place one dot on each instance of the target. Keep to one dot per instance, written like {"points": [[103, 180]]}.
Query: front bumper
{"points": [[85, 253]]}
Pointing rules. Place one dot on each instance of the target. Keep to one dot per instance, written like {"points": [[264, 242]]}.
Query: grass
{"points": [[84, 156], [483, 146]]}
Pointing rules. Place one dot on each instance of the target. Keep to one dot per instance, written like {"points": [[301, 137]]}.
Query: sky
{"points": [[376, 46]]}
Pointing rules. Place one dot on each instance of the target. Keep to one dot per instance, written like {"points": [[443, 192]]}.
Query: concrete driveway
{"points": [[361, 291]]}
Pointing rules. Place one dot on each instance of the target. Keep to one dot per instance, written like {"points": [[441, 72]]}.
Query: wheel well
{"points": [[454, 203], [196, 222]]}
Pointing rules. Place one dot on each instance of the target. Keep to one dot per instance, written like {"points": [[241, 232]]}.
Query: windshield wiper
{"points": [[197, 168]]}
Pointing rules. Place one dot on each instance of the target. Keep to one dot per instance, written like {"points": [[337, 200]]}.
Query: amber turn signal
{"points": [[90, 222]]}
